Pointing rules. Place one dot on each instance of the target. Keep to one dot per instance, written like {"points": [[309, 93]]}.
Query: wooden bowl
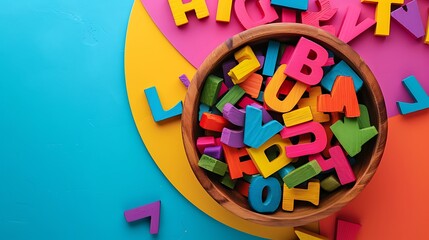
{"points": [[367, 161]]}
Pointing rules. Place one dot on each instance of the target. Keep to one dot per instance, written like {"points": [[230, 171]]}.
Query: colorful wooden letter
{"points": [[286, 170], [256, 133], [248, 64], [311, 102], [158, 112], [268, 12], [307, 235], [185, 80], [288, 15], [213, 165], [223, 90], [211, 90], [232, 138], [409, 17], [213, 122], [236, 166], [204, 142], [214, 152], [224, 10], [311, 194], [342, 98], [151, 210], [295, 4], [179, 9], [418, 93], [228, 182], [233, 114], [246, 101], [302, 174], [330, 183], [350, 29], [265, 165], [350, 136], [339, 162], [243, 188], [232, 96], [260, 57], [273, 198], [363, 119], [202, 109], [298, 116], [250, 178], [273, 87], [260, 97], [329, 136], [325, 13], [287, 54], [306, 62], [341, 69], [309, 148], [329, 62], [382, 15], [271, 58], [252, 85], [347, 230], [226, 67], [266, 117]]}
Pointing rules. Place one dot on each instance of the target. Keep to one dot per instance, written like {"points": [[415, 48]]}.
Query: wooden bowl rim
{"points": [[275, 31]]}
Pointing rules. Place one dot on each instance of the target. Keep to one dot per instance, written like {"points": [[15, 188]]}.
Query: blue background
{"points": [[71, 159]]}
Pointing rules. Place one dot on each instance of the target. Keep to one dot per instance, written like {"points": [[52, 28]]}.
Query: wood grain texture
{"points": [[370, 95]]}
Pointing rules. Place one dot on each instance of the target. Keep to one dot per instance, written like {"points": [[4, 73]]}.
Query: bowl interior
{"points": [[366, 161]]}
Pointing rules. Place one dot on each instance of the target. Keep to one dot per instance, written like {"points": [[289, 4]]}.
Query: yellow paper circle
{"points": [[150, 60]]}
